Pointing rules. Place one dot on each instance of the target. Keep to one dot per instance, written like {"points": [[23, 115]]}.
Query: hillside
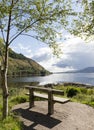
{"points": [[87, 70], [21, 65]]}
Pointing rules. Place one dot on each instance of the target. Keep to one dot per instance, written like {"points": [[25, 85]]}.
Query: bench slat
{"points": [[45, 96], [61, 100], [55, 99], [54, 91]]}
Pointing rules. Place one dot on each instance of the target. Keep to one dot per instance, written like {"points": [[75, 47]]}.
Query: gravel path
{"points": [[68, 116]]}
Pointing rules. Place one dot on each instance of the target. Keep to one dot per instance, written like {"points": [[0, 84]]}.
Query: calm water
{"points": [[86, 78]]}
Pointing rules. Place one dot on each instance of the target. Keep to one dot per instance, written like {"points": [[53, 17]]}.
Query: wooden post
{"points": [[50, 103], [31, 98]]}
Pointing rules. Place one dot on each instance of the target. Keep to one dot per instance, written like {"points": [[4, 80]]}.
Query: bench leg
{"points": [[31, 98], [50, 103]]}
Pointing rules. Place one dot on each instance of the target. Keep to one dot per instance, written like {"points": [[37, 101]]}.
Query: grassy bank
{"points": [[17, 95], [78, 94]]}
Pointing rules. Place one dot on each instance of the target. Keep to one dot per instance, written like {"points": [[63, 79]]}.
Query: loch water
{"points": [[85, 78]]}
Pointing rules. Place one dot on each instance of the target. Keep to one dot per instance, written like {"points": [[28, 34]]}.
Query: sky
{"points": [[76, 53]]}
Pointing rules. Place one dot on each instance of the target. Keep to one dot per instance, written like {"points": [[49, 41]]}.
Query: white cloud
{"points": [[42, 54], [44, 57], [76, 54], [21, 48]]}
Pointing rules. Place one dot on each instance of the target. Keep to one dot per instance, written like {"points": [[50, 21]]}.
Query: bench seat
{"points": [[55, 99], [48, 94]]}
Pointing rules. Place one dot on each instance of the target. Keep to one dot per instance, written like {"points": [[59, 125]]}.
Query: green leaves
{"points": [[84, 22], [43, 18]]}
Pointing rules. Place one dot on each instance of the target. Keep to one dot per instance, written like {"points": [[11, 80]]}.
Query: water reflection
{"points": [[87, 78]]}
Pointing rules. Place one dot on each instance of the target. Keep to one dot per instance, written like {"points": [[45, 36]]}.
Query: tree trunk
{"points": [[4, 86], [5, 93]]}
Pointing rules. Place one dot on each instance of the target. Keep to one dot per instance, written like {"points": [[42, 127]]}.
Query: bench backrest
{"points": [[45, 90]]}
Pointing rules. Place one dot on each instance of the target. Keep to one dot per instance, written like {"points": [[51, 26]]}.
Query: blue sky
{"points": [[76, 53]]}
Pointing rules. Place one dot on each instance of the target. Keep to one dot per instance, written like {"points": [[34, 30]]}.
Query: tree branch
{"points": [[35, 37], [23, 30], [9, 23]]}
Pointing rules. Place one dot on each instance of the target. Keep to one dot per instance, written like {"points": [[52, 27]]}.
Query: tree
{"points": [[39, 19], [83, 23]]}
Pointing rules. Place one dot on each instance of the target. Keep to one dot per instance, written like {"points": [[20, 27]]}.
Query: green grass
{"points": [[10, 123], [79, 94], [17, 95]]}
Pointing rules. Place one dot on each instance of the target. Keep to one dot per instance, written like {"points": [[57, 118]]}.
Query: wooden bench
{"points": [[34, 92]]}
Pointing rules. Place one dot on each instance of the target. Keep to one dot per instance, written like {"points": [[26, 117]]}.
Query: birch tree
{"points": [[39, 19], [83, 23]]}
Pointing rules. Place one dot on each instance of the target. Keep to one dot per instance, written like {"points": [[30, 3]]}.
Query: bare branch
{"points": [[13, 35], [35, 37], [23, 30]]}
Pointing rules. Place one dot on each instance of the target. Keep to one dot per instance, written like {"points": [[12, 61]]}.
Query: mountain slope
{"points": [[87, 70], [21, 65]]}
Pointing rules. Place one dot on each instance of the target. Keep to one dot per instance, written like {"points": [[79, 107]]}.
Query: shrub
{"points": [[72, 92], [13, 91], [84, 90], [91, 104], [90, 91], [19, 99]]}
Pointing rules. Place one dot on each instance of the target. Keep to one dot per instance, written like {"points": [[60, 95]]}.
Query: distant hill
{"points": [[21, 65], [85, 70]]}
